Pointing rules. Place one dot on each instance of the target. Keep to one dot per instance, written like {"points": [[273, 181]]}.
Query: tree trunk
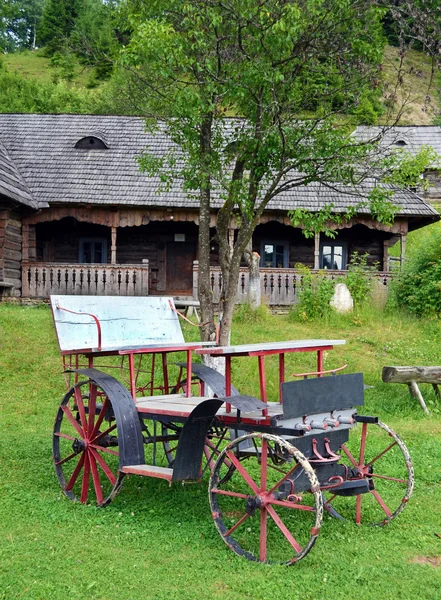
{"points": [[208, 329], [230, 277], [254, 292], [408, 374]]}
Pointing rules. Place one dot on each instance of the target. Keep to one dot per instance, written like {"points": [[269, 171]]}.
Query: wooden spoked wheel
{"points": [[255, 502], [376, 454], [85, 446]]}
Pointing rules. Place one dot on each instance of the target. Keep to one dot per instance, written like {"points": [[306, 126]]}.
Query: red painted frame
{"points": [[260, 354]]}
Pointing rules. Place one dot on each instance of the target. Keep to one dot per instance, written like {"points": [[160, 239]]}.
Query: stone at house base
{"points": [[379, 294], [342, 301]]}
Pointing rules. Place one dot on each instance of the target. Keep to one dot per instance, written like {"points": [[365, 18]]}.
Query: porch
{"points": [[72, 250], [279, 287]]}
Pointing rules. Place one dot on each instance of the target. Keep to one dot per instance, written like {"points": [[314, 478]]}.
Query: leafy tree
{"points": [[19, 21], [94, 38], [58, 22], [270, 62], [419, 287]]}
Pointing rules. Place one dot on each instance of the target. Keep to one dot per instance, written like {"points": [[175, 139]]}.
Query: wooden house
{"points": [[77, 216]]}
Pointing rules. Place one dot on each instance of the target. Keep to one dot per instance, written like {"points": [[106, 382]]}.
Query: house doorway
{"points": [[179, 267]]}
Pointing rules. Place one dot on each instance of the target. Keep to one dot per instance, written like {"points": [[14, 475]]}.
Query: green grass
{"points": [[159, 542], [35, 65]]}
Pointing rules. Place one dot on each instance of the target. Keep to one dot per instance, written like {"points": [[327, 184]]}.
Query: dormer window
{"points": [[91, 142], [400, 143]]}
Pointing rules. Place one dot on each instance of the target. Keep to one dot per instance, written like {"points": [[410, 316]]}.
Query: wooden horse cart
{"points": [[273, 467]]}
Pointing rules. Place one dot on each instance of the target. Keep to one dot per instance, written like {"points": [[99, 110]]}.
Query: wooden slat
{"points": [[149, 471]]}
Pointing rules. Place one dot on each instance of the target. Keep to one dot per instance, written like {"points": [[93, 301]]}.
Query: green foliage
{"points": [[368, 109], [419, 286], [245, 314], [58, 22], [359, 278], [18, 94], [65, 66], [94, 37], [405, 169], [19, 21], [314, 297]]}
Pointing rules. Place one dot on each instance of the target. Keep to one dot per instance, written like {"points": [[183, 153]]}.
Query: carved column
{"points": [[25, 242], [113, 247], [403, 249], [386, 255], [317, 251]]}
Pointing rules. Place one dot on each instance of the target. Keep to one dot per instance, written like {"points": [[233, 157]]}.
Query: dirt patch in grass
{"points": [[433, 561]]}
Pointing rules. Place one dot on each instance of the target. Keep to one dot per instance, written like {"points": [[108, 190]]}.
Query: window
{"points": [[333, 256], [274, 254], [93, 250], [91, 142]]}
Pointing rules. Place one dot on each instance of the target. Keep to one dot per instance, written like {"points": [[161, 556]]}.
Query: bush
{"points": [[314, 296], [419, 286], [359, 278], [243, 313]]}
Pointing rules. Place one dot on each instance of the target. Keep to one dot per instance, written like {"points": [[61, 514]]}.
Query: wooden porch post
{"points": [[403, 249], [195, 279], [113, 247], [317, 251], [386, 255], [25, 242]]}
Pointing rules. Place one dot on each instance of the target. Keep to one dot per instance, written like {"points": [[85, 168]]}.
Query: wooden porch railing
{"points": [[40, 280], [279, 287]]}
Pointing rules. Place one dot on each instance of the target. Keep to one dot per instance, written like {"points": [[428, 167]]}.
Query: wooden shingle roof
{"points": [[42, 147], [12, 184], [411, 137]]}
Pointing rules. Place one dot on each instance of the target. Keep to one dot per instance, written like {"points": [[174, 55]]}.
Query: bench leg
{"points": [[437, 392], [415, 392]]}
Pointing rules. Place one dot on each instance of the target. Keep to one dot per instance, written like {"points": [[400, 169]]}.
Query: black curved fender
{"points": [[191, 442], [214, 379], [130, 441]]}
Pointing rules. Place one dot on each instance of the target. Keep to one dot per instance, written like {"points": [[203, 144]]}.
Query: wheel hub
{"points": [[78, 445]]}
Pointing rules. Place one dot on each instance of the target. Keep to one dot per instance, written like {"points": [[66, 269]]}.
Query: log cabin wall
{"points": [[10, 250], [300, 249], [359, 238], [58, 241], [159, 242]]}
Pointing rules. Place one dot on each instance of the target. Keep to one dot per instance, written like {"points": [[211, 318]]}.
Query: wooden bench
{"points": [[412, 376], [94, 326]]}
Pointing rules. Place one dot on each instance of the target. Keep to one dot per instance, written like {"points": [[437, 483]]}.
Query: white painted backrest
{"points": [[125, 322]]}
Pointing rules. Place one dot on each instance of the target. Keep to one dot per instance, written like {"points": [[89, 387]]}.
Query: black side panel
{"points": [[191, 442], [214, 379], [322, 394], [130, 442]]}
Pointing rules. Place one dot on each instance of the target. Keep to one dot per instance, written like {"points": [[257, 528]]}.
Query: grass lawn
{"points": [[159, 542], [35, 65]]}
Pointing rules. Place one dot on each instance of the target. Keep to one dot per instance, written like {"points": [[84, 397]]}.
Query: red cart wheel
{"points": [[258, 507], [85, 445], [375, 453]]}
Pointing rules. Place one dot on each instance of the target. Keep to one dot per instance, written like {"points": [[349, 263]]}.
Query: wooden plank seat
{"points": [[178, 405]]}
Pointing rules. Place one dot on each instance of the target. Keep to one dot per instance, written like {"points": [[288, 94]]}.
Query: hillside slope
{"points": [[416, 99]]}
